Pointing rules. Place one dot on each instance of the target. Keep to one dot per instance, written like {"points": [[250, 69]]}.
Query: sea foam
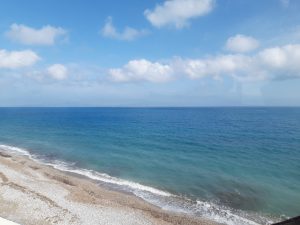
{"points": [[163, 199]]}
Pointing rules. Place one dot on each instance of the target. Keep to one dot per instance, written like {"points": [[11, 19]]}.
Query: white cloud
{"points": [[17, 59], [271, 63], [215, 67], [178, 12], [281, 62], [274, 57], [46, 35], [142, 70], [57, 71], [128, 33], [241, 43]]}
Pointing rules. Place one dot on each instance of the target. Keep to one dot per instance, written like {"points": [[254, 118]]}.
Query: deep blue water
{"points": [[243, 160]]}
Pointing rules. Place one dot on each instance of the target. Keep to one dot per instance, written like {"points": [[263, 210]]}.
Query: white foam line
{"points": [[112, 180], [209, 209], [15, 149], [89, 173], [227, 216]]}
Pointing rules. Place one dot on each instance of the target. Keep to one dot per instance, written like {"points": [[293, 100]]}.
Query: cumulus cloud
{"points": [[241, 43], [215, 66], [142, 70], [271, 63], [281, 62], [57, 71], [128, 34], [17, 59], [178, 12], [46, 35]]}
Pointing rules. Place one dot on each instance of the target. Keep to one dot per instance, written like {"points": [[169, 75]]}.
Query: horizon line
{"points": [[213, 106]]}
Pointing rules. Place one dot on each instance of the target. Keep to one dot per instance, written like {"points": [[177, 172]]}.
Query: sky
{"points": [[150, 53]]}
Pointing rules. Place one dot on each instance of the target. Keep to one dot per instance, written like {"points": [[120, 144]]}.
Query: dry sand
{"points": [[33, 193]]}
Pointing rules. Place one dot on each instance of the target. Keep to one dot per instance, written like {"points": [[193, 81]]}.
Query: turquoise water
{"points": [[234, 165]]}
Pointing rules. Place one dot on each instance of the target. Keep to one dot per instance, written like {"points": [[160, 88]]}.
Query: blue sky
{"points": [[150, 53]]}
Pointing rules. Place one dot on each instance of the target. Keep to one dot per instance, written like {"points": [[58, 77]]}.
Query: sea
{"points": [[234, 165]]}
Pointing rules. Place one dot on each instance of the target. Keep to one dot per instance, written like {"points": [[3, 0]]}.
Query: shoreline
{"points": [[34, 193]]}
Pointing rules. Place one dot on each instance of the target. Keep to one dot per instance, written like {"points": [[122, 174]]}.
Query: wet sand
{"points": [[33, 193]]}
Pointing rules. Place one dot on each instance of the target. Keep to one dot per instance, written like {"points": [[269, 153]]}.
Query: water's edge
{"points": [[157, 197]]}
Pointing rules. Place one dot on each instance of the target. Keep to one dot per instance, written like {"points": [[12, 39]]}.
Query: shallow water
{"points": [[235, 165]]}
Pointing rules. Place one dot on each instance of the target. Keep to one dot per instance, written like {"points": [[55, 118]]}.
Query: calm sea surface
{"points": [[234, 165]]}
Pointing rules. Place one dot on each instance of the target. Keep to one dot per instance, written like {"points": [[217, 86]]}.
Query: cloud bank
{"points": [[47, 35], [271, 63], [177, 13], [17, 59]]}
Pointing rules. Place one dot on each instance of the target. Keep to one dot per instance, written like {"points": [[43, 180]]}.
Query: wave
{"points": [[160, 198]]}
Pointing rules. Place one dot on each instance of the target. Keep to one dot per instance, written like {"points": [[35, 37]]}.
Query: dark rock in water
{"points": [[292, 221], [241, 196], [238, 201]]}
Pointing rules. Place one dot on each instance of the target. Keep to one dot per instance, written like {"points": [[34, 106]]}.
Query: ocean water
{"points": [[232, 165]]}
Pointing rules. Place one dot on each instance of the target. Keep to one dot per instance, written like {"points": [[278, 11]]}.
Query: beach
{"points": [[33, 193], [156, 112]]}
